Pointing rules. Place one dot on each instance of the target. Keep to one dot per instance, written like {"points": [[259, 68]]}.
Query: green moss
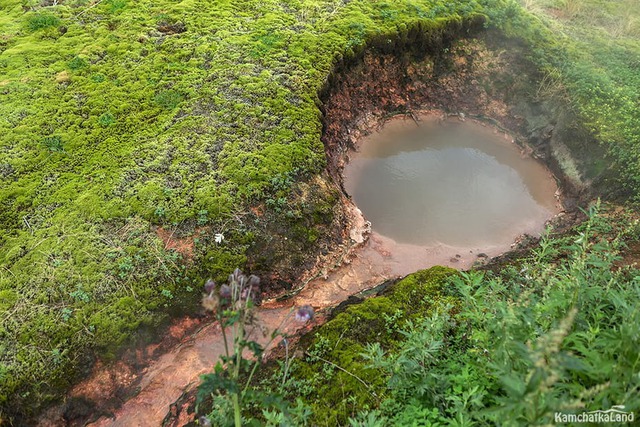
{"points": [[168, 99], [77, 63], [586, 49], [8, 298], [343, 339], [218, 263]]}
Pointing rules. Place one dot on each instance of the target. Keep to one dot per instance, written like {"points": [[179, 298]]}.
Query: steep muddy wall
{"points": [[468, 72]]}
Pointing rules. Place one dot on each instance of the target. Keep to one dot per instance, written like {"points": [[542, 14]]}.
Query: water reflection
{"points": [[457, 184]]}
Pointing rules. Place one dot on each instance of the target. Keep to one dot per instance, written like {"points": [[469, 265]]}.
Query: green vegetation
{"points": [[228, 386], [332, 368], [119, 116], [38, 21], [339, 380], [559, 332], [589, 50]]}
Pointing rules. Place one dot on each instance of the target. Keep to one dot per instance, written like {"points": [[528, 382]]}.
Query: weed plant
{"points": [[228, 389]]}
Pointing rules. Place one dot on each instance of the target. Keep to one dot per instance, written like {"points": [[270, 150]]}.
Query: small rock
{"points": [[453, 259]]}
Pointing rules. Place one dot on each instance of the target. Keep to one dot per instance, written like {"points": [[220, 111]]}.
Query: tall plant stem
{"points": [[236, 410], [236, 396], [224, 336]]}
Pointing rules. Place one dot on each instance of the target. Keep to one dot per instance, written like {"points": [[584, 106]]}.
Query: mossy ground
{"points": [[119, 115]]}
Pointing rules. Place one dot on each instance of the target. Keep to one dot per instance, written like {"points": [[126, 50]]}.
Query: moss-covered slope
{"points": [[588, 51], [339, 380]]}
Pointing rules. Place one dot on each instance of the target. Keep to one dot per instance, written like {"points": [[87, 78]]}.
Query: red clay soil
{"points": [[109, 385], [184, 246]]}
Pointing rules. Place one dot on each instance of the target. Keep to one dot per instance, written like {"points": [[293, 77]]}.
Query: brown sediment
{"points": [[111, 384], [151, 379]]}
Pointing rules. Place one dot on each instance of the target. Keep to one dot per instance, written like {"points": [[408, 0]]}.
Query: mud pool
{"points": [[449, 183]]}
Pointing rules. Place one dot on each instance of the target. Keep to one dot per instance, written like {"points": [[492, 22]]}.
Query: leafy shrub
{"points": [[561, 337], [116, 5], [98, 78]]}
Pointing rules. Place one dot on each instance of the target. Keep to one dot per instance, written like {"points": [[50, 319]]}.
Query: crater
{"points": [[437, 190], [438, 142]]}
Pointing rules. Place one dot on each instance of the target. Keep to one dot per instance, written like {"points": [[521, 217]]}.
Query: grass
{"points": [[599, 68], [556, 334]]}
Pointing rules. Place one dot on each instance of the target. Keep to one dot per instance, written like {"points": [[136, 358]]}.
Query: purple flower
{"points": [[209, 286], [304, 314], [254, 282], [236, 277], [225, 291]]}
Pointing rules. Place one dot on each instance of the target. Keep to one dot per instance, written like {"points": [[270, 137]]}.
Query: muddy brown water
{"points": [[453, 183], [440, 200]]}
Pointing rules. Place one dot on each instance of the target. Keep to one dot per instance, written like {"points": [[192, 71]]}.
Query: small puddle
{"points": [[449, 184]]}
